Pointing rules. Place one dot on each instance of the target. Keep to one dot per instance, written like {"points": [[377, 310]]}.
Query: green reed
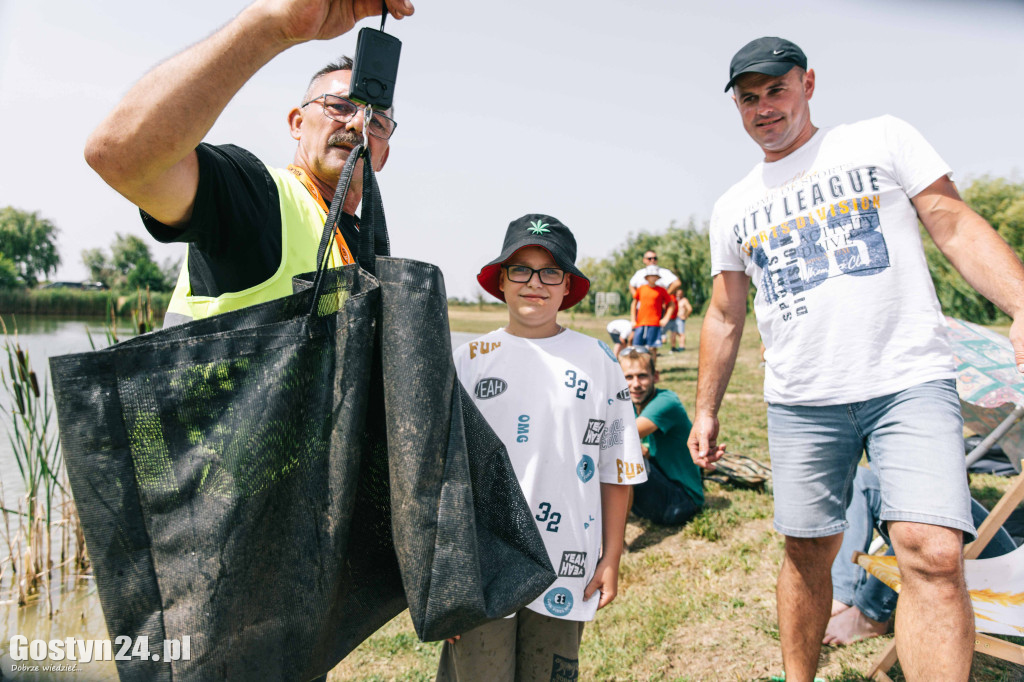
{"points": [[141, 311], [46, 503]]}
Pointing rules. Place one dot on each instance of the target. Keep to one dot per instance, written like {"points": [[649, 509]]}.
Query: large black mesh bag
{"points": [[279, 482]]}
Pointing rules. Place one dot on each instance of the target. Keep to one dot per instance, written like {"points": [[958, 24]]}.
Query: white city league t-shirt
{"points": [[845, 305], [562, 408]]}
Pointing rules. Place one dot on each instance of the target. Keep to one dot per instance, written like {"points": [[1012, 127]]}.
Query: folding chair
{"points": [[991, 400], [996, 587]]}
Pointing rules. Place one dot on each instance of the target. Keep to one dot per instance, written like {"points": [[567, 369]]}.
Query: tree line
{"points": [[28, 253], [28, 256], [685, 250]]}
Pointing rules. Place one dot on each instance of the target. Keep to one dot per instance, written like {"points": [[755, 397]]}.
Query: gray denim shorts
{"points": [[913, 438]]}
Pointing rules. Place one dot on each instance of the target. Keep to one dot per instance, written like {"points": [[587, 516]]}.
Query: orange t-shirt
{"points": [[651, 304]]}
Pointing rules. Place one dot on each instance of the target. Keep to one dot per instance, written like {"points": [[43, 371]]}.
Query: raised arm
{"points": [[145, 147], [719, 343], [977, 252]]}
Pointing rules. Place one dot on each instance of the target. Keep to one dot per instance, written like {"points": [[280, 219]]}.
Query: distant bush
{"points": [[683, 250], [9, 274]]}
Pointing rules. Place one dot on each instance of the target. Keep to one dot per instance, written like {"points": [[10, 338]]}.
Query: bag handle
{"points": [[373, 231]]}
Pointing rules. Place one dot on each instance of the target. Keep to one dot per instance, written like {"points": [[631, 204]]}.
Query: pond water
{"points": [[44, 337], [75, 604]]}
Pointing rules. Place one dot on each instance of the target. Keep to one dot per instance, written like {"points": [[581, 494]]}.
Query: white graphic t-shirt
{"points": [[665, 277], [562, 408], [620, 327], [845, 305]]}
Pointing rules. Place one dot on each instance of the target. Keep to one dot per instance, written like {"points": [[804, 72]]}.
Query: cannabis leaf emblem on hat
{"points": [[538, 227]]}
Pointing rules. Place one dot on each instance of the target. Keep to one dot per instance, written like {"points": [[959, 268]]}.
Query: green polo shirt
{"points": [[667, 445]]}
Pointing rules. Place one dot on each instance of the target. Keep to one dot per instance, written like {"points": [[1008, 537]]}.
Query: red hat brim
{"points": [[489, 278]]}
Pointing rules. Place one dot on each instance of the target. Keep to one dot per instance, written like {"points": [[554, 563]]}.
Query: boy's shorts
{"points": [[914, 440], [527, 646], [647, 336]]}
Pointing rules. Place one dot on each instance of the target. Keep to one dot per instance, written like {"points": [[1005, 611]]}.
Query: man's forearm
{"points": [[974, 248], [168, 112], [987, 263], [719, 344]]}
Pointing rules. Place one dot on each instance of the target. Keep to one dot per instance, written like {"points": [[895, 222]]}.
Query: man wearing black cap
{"points": [[857, 357]]}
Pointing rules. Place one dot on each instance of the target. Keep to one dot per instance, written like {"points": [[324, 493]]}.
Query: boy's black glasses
{"points": [[522, 274]]}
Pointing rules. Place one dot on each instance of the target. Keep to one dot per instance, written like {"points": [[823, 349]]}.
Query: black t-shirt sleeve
{"points": [[234, 234]]}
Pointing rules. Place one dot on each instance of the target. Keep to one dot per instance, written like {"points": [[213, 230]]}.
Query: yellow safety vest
{"points": [[302, 225]]}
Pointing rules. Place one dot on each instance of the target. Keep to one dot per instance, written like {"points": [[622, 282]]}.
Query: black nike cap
{"points": [[771, 56]]}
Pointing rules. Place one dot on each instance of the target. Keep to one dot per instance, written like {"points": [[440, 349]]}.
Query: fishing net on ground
{"points": [[278, 482]]}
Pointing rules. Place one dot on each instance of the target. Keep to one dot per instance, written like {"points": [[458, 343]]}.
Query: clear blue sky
{"points": [[608, 114]]}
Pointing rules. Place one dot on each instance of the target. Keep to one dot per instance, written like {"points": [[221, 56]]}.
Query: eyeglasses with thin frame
{"points": [[634, 349], [650, 258], [340, 109], [522, 274]]}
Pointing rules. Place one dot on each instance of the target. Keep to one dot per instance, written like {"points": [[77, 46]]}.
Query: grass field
{"points": [[697, 602]]}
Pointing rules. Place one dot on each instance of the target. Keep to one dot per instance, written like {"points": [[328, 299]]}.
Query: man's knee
{"points": [[926, 552], [809, 552]]}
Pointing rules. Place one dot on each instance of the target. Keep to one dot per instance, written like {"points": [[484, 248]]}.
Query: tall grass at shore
{"points": [[44, 517], [75, 302], [141, 311]]}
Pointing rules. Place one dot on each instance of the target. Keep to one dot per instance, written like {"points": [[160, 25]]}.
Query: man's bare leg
{"points": [[934, 621], [804, 598], [838, 607]]}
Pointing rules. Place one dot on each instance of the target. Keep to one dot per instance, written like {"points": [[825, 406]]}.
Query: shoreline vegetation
{"points": [[77, 302], [695, 602], [40, 528]]}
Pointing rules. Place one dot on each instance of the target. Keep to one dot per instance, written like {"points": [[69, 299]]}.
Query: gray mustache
{"points": [[345, 137]]}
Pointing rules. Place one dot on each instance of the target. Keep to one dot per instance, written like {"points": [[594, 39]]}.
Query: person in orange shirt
{"points": [[651, 309]]}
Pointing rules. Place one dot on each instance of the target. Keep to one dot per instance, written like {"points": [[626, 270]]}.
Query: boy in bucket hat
{"points": [[559, 403]]}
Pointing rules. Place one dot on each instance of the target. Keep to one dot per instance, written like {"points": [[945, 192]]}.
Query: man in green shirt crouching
{"points": [[673, 493]]}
